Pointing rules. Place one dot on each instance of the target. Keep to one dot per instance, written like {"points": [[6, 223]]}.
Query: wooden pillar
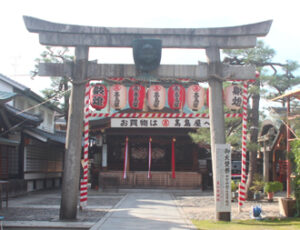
{"points": [[71, 173], [266, 163], [216, 115]]}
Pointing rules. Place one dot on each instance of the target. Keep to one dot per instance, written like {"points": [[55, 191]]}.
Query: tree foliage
{"points": [[59, 90]]}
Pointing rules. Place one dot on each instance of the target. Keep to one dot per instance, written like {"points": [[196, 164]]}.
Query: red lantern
{"points": [[117, 96], [233, 97], [195, 97], [176, 96], [98, 96], [156, 97], [136, 96]]}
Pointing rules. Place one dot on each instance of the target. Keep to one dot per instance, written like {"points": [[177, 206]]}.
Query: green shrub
{"points": [[274, 186], [257, 184], [234, 186]]}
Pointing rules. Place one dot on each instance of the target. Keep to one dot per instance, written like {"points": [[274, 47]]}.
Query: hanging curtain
{"points": [[125, 159], [173, 158], [149, 158]]}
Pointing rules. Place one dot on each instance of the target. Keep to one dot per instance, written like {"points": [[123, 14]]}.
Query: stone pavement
{"points": [[145, 211], [132, 209]]}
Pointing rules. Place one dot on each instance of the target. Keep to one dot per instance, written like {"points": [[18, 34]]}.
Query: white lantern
{"points": [[117, 96], [195, 97], [156, 97], [233, 97]]}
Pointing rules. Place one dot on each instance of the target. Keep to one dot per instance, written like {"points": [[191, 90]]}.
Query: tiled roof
{"points": [[23, 115], [6, 96], [58, 136]]}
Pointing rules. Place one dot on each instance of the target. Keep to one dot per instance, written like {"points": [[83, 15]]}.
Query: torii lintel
{"points": [[57, 34]]}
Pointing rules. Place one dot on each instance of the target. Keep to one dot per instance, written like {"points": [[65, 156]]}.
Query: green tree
{"points": [[60, 86], [277, 76]]}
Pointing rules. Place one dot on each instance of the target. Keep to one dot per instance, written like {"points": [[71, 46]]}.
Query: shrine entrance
{"points": [[192, 161], [147, 67]]}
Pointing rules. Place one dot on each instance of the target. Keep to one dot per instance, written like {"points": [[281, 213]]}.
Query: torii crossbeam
{"points": [[83, 37]]}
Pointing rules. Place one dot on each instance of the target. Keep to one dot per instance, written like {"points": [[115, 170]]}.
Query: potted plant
{"points": [[234, 189], [257, 186], [271, 187]]}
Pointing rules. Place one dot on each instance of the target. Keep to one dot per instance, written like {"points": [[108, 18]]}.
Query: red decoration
{"points": [[156, 97], [195, 97], [176, 96], [149, 158], [98, 96], [136, 96], [207, 97], [125, 159], [117, 96], [173, 158]]}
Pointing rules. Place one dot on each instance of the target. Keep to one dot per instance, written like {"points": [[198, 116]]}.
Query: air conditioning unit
{"points": [[99, 140]]}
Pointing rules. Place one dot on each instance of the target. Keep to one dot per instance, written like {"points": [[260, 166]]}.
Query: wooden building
{"points": [[192, 162]]}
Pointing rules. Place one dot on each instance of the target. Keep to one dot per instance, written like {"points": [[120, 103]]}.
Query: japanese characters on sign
{"points": [[233, 97], [117, 96], [195, 97], [98, 96], [176, 96], [160, 123], [136, 96], [223, 178], [156, 97]]}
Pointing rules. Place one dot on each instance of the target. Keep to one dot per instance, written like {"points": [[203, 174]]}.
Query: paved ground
{"points": [[127, 209]]}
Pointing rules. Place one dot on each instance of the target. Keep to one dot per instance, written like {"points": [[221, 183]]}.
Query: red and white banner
{"points": [[149, 158], [159, 115], [159, 122], [173, 158], [84, 162], [125, 159], [242, 186]]}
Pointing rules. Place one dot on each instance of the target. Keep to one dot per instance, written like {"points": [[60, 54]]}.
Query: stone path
{"points": [[145, 211], [128, 209]]}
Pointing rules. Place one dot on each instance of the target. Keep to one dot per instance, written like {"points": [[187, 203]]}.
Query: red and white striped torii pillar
{"points": [[84, 162], [242, 186]]}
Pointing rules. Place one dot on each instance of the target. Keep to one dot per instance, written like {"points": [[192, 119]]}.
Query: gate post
{"points": [[216, 116], [71, 171]]}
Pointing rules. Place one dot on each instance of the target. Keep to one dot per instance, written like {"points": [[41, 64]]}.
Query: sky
{"points": [[19, 48]]}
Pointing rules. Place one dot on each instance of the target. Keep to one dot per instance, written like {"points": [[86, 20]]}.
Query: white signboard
{"points": [[223, 178], [159, 122]]}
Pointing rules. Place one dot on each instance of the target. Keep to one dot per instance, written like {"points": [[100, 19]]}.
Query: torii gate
{"points": [[81, 71]]}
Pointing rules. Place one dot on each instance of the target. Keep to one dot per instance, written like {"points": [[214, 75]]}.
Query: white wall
{"points": [[47, 115]]}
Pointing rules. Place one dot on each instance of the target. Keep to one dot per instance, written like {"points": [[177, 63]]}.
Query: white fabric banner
{"points": [[160, 122]]}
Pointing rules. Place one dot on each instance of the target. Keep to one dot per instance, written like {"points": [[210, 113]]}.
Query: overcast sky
{"points": [[19, 48]]}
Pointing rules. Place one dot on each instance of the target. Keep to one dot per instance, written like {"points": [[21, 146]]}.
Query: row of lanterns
{"points": [[194, 96]]}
